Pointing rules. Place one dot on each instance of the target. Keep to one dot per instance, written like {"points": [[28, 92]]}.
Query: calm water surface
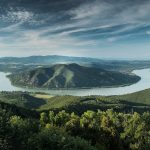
{"points": [[144, 83]]}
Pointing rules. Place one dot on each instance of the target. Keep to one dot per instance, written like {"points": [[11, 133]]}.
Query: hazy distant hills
{"points": [[71, 76], [49, 59], [12, 64]]}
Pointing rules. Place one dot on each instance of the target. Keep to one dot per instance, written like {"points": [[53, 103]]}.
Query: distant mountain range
{"points": [[71, 76], [49, 59], [12, 64]]}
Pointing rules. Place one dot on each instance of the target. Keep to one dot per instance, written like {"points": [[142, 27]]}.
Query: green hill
{"points": [[21, 99], [20, 111], [71, 76], [139, 102], [81, 104], [138, 97]]}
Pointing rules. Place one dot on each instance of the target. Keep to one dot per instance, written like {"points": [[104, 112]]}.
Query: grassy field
{"points": [[60, 102], [43, 96]]}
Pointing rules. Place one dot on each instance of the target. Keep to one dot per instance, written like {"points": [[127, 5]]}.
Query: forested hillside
{"points": [[67, 131], [71, 76], [129, 103], [74, 123]]}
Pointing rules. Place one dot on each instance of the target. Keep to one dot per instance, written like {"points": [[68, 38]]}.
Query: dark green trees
{"points": [[108, 130], [101, 130]]}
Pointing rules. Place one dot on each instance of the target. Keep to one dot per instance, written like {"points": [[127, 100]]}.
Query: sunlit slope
{"points": [[138, 97], [71, 76]]}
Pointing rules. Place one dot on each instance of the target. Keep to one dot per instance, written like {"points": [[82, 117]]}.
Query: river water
{"points": [[144, 83]]}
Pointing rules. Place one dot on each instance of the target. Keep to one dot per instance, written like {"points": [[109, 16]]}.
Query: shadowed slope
{"points": [[71, 76]]}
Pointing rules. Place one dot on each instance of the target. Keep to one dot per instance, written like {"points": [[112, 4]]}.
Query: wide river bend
{"points": [[144, 83]]}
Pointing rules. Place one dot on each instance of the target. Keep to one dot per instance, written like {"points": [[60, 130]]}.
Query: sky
{"points": [[109, 29]]}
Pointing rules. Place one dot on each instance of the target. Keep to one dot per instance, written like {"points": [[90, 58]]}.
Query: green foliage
{"points": [[14, 110], [19, 133], [110, 129], [55, 139], [101, 130]]}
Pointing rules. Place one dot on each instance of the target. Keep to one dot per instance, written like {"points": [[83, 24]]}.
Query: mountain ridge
{"points": [[71, 76]]}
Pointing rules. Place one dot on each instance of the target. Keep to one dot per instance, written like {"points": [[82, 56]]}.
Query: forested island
{"points": [[71, 76]]}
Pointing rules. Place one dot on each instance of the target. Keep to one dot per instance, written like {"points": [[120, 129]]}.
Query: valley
{"points": [[138, 101], [95, 105], [29, 117]]}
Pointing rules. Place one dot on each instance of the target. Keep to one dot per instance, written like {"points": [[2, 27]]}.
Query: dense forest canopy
{"points": [[100, 130]]}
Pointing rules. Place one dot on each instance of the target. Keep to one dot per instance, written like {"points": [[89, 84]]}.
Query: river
{"points": [[144, 83]]}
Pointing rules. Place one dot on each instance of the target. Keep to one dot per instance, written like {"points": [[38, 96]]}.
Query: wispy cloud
{"points": [[91, 9], [55, 26]]}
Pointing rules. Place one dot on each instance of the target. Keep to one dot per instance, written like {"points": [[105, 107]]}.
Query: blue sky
{"points": [[115, 29]]}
